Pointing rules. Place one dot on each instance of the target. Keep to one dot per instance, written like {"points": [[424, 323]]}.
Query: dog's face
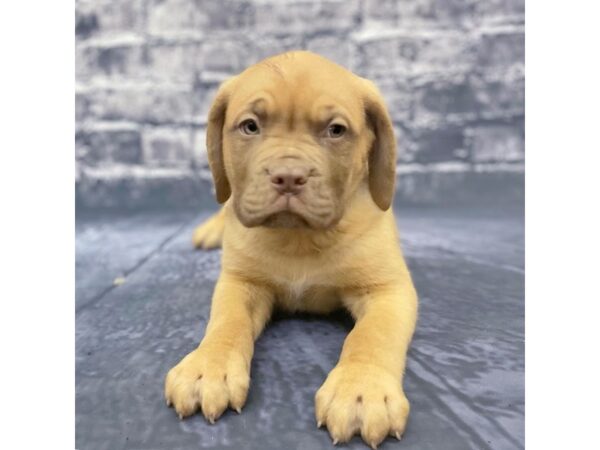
{"points": [[293, 137]]}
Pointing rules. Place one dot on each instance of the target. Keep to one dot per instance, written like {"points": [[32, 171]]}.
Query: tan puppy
{"points": [[303, 153]]}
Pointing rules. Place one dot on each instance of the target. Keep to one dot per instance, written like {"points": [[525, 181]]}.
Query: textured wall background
{"points": [[452, 72]]}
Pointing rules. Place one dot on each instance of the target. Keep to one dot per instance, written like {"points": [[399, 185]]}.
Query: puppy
{"points": [[303, 155]]}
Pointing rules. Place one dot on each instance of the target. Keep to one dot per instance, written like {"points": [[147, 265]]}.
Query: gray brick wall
{"points": [[452, 72]]}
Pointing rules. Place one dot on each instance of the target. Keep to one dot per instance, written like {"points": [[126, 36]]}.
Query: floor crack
{"points": [[135, 267], [458, 394], [467, 257]]}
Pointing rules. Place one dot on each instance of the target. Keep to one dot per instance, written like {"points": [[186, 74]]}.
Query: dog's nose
{"points": [[289, 180]]}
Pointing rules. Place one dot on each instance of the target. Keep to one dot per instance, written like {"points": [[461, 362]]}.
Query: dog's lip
{"points": [[288, 203], [285, 202]]}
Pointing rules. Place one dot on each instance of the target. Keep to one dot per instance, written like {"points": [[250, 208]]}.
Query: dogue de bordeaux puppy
{"points": [[303, 156]]}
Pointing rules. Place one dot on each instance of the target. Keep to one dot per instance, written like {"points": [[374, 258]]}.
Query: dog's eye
{"points": [[249, 127], [336, 130]]}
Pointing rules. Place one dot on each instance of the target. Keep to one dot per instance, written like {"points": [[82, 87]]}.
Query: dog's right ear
{"points": [[214, 141]]}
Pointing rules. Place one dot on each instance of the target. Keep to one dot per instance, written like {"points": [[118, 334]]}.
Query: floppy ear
{"points": [[214, 141], [382, 155]]}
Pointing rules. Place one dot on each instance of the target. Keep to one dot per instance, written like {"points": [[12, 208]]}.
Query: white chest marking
{"points": [[297, 288]]}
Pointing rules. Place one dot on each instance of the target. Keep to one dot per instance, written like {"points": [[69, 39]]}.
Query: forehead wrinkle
{"points": [[258, 104], [323, 112], [274, 67], [291, 118]]}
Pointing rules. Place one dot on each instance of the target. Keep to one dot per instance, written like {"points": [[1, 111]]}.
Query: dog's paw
{"points": [[361, 398], [209, 234], [209, 380]]}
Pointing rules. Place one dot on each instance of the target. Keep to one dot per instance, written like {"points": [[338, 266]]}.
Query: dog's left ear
{"points": [[382, 155], [214, 141]]}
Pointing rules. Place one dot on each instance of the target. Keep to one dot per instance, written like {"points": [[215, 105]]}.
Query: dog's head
{"points": [[294, 136]]}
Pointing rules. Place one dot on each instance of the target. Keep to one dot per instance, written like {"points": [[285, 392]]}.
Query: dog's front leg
{"points": [[217, 373], [363, 393]]}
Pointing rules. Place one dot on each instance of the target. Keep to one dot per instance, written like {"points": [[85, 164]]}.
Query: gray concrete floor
{"points": [[465, 375]]}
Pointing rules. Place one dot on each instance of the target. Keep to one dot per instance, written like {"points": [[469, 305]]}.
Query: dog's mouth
{"points": [[286, 211], [285, 219]]}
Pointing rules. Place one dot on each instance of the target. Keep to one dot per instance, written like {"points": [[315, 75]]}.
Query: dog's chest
{"points": [[306, 295], [296, 289]]}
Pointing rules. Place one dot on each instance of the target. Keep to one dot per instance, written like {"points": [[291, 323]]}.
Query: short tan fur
{"points": [[329, 241]]}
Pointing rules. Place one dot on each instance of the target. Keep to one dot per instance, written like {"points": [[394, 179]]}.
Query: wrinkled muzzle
{"points": [[287, 191]]}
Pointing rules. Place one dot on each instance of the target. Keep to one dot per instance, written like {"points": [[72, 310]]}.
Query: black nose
{"points": [[289, 180]]}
